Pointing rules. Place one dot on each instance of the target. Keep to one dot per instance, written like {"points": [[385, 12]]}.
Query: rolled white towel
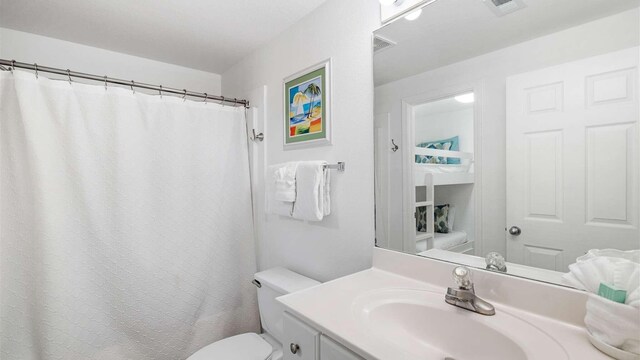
{"points": [[613, 323], [274, 206], [614, 268], [285, 179], [619, 273], [631, 255]]}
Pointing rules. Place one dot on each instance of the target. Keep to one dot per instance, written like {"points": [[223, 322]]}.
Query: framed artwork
{"points": [[307, 107]]}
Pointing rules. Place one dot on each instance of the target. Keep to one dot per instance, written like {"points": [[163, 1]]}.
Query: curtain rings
{"points": [[132, 85], [184, 95], [35, 66], [235, 101], [205, 98], [69, 75], [13, 65], [105, 83], [222, 101], [160, 91]]}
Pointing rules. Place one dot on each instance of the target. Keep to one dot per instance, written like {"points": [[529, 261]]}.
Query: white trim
{"points": [[408, 188], [326, 122]]}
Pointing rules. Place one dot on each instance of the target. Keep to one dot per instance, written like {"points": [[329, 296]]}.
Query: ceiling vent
{"points": [[504, 7], [380, 44]]}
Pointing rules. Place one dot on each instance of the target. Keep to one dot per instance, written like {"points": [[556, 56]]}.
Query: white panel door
{"points": [[572, 160]]}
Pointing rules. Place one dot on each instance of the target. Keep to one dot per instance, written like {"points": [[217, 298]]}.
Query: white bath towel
{"points": [[274, 206], [326, 197], [285, 179], [613, 323], [310, 191]]}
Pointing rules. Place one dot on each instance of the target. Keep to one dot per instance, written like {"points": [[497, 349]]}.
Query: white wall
{"points": [[446, 125], [490, 70], [26, 47], [343, 242]]}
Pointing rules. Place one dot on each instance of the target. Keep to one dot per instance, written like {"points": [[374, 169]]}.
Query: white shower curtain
{"points": [[126, 229]]}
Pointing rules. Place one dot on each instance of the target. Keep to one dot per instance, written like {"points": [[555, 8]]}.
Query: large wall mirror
{"points": [[506, 132]]}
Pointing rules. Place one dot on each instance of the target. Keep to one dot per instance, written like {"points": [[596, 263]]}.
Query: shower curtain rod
{"points": [[12, 64]]}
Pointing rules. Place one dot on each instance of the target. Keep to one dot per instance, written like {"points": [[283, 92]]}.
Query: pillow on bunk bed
{"points": [[451, 216], [441, 218], [452, 144], [421, 219]]}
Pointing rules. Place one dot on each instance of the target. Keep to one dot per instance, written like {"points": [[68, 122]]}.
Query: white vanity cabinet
{"points": [[303, 342], [331, 350]]}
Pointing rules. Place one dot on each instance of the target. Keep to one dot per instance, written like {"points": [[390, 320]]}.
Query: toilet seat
{"points": [[249, 346]]}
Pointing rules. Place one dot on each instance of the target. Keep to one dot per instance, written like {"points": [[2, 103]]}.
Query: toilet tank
{"points": [[273, 283]]}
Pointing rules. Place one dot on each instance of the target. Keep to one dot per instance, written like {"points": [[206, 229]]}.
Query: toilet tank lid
{"points": [[284, 280]]}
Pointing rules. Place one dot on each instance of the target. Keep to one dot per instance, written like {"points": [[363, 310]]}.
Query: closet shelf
{"points": [[424, 203]]}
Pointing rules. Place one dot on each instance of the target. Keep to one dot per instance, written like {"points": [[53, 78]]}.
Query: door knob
{"points": [[294, 348], [515, 231]]}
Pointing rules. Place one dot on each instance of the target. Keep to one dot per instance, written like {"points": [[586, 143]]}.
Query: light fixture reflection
{"points": [[413, 15], [465, 98]]}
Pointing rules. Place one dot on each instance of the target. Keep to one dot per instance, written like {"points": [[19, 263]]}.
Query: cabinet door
{"points": [[331, 350], [302, 342]]}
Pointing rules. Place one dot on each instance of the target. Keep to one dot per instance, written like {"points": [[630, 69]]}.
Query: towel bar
{"points": [[339, 166]]}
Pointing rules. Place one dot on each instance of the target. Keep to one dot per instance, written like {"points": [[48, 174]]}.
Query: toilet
{"points": [[271, 284]]}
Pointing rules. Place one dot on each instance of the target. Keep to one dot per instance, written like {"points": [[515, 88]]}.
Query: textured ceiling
{"points": [[209, 35]]}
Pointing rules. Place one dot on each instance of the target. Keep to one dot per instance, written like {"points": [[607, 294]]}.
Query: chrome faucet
{"points": [[496, 262], [465, 296]]}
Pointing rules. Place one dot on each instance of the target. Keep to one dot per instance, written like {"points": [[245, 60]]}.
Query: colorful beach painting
{"points": [[305, 107]]}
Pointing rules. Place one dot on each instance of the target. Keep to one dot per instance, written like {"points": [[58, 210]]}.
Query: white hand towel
{"points": [[613, 323], [274, 206], [310, 180], [285, 178]]}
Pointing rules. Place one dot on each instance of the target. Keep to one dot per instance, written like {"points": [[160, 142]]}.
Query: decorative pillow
{"points": [[451, 216], [421, 219], [441, 218], [452, 144]]}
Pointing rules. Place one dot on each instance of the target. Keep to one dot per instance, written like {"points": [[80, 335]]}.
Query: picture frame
{"points": [[307, 107]]}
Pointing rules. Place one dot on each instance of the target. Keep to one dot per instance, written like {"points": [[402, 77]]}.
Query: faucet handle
{"points": [[495, 261], [462, 277]]}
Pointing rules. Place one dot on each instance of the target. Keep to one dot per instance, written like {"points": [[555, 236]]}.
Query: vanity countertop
{"points": [[330, 309]]}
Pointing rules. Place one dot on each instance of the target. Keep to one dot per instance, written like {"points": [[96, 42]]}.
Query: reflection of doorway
{"points": [[439, 143], [572, 160], [382, 154]]}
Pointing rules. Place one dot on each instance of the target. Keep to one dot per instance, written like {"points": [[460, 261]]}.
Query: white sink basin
{"points": [[419, 324]]}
